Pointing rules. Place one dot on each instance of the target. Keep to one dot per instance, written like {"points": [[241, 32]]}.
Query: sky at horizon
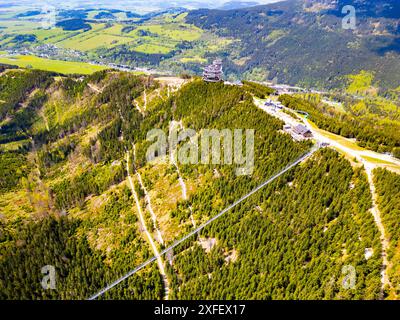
{"points": [[133, 5]]}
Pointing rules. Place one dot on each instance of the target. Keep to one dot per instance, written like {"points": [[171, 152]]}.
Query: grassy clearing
{"points": [[163, 34], [93, 42], [58, 111], [217, 44], [343, 141], [360, 83], [116, 29], [195, 59], [65, 67], [179, 18], [92, 14], [208, 43], [178, 32], [379, 161], [165, 193], [162, 182], [51, 35], [12, 146], [276, 34], [15, 205], [18, 26], [375, 160], [99, 36], [152, 48], [77, 163]]}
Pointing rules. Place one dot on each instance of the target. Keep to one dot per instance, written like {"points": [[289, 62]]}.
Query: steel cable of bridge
{"points": [[198, 229]]}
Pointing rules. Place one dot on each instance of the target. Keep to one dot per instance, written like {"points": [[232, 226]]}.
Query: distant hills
{"points": [[238, 5], [298, 42], [303, 42]]}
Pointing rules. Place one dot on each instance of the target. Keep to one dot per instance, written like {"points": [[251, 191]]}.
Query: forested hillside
{"points": [[48, 176], [283, 244], [388, 188], [66, 199], [303, 42]]}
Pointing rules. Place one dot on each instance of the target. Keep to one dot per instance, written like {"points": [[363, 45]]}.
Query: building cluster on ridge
{"points": [[214, 73]]}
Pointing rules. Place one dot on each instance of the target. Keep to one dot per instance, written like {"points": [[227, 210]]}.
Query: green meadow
{"points": [[160, 35], [65, 67]]}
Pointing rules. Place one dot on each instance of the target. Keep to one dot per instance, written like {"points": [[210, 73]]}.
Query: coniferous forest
{"points": [[66, 200], [388, 189]]}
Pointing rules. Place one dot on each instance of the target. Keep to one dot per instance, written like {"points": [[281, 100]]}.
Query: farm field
{"points": [[160, 36], [92, 41], [66, 67], [166, 42]]}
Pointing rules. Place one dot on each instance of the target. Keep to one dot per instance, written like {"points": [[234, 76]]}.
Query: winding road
{"points": [[370, 161]]}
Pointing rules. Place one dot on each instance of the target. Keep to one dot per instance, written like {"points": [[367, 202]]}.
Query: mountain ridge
{"points": [[311, 44]]}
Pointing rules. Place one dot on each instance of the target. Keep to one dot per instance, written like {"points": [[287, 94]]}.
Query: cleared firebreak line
{"points": [[197, 230]]}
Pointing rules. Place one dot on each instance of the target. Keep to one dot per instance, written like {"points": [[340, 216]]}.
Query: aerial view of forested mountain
{"points": [[237, 150]]}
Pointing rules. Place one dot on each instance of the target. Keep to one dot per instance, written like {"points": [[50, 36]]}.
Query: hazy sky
{"points": [[134, 5]]}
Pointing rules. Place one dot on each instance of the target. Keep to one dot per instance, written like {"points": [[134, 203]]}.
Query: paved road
{"points": [[324, 136], [356, 153]]}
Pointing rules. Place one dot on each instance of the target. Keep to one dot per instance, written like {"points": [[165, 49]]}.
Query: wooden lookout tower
{"points": [[213, 72]]}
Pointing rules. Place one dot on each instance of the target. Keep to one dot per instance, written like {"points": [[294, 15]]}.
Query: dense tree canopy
{"points": [[291, 240]]}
